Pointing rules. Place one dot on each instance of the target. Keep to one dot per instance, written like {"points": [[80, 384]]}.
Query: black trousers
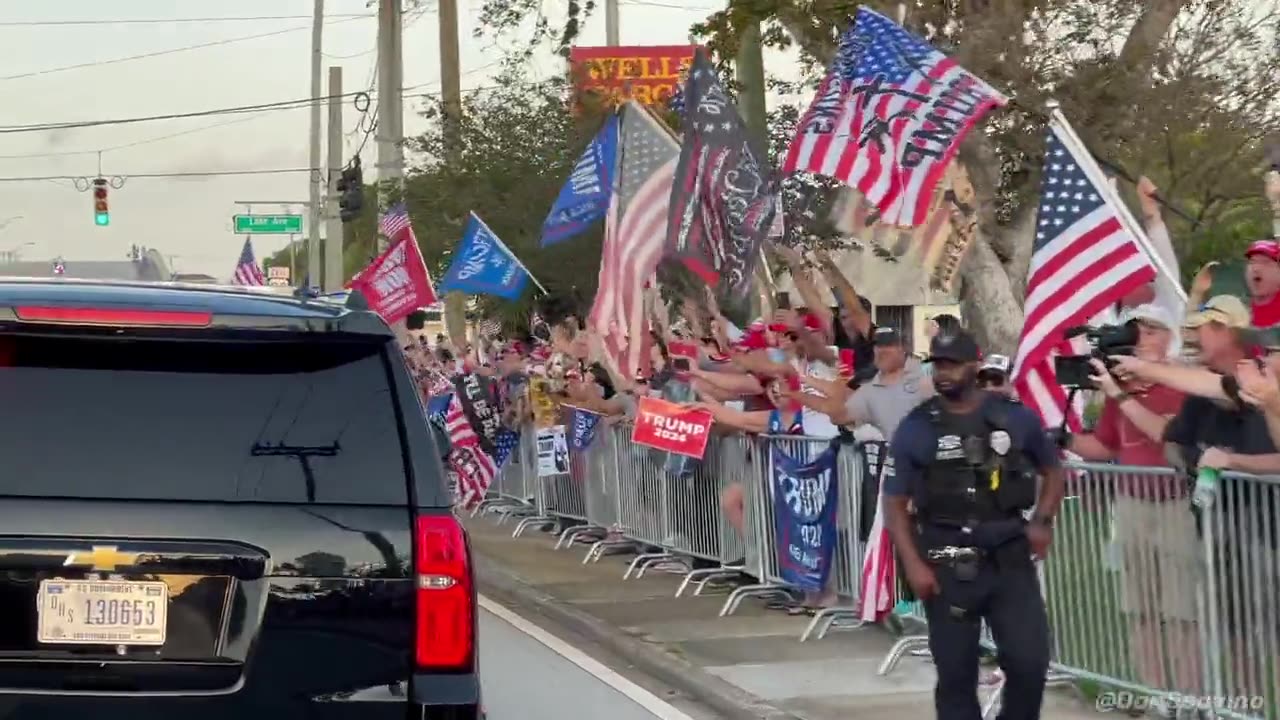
{"points": [[1006, 595]]}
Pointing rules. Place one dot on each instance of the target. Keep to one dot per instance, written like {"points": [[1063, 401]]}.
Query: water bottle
{"points": [[1206, 488]]}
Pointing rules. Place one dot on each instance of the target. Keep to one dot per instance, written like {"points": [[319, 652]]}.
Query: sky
{"points": [[189, 219]]}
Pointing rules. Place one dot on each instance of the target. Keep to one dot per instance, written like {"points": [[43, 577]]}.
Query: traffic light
{"points": [[101, 214], [351, 192]]}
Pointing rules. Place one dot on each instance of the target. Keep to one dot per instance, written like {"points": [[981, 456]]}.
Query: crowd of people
{"points": [[1199, 389]]}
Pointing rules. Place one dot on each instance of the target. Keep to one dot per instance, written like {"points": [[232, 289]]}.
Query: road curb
{"points": [[504, 586]]}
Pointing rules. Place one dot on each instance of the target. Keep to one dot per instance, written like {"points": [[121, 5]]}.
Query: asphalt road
{"points": [[524, 679]]}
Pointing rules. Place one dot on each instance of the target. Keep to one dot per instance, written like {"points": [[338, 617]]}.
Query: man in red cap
{"points": [[1262, 276]]}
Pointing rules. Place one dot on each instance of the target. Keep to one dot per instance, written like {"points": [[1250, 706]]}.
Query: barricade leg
{"points": [[645, 561], [600, 548], [539, 521], [574, 533], [706, 575], [826, 617]]}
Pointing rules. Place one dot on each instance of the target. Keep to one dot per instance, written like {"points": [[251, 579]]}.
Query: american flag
{"points": [[474, 467], [394, 221], [489, 328], [722, 201], [1084, 262], [888, 118], [247, 271], [634, 234]]}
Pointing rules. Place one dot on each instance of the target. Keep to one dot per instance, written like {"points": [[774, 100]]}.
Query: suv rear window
{"points": [[198, 419]]}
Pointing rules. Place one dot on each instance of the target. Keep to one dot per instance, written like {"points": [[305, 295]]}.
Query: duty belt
{"points": [[964, 561], [952, 553]]}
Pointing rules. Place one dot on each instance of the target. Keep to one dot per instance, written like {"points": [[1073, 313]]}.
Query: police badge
{"points": [[1001, 442]]}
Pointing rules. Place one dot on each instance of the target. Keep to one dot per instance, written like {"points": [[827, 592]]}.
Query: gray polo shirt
{"points": [[884, 405]]}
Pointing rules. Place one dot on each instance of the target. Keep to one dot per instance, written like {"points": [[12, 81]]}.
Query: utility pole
{"points": [[611, 23], [455, 303], [333, 222], [389, 134], [314, 180]]}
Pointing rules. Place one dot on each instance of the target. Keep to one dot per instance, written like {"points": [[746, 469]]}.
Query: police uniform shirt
{"points": [[919, 440]]}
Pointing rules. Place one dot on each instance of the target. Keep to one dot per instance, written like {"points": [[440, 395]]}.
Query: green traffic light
{"points": [[102, 219]]}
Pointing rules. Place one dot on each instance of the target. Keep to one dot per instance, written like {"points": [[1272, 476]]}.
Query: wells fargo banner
{"points": [[647, 74]]}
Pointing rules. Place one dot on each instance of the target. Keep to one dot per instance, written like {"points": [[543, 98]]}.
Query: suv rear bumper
{"points": [[430, 697]]}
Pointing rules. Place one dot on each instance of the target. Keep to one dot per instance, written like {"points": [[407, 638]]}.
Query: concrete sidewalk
{"points": [[750, 664]]}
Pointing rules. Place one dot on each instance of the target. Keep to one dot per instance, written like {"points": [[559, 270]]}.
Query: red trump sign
{"points": [[649, 75], [671, 427]]}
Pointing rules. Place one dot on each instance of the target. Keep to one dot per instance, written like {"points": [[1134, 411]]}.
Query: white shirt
{"points": [[816, 424]]}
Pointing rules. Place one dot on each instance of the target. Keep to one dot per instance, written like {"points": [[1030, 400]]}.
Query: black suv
{"points": [[221, 504]]}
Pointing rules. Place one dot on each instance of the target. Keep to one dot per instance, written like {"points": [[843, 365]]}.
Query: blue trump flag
{"points": [[584, 429], [584, 198], [805, 496], [482, 265]]}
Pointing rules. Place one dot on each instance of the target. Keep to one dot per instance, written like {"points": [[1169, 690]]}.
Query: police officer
{"points": [[967, 461]]}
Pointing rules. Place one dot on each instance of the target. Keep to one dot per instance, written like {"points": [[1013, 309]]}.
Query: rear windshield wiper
{"points": [[304, 453]]}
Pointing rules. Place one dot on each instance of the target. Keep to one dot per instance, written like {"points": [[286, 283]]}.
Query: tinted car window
{"points": [[238, 421]]}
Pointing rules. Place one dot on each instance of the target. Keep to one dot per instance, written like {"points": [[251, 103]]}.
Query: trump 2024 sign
{"points": [[671, 427]]}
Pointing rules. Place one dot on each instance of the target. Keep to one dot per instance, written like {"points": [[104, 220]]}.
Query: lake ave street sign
{"points": [[268, 224]]}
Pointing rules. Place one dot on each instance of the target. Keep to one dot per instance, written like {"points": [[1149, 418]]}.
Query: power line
{"points": [[146, 141], [193, 174], [282, 105], [170, 51], [159, 21]]}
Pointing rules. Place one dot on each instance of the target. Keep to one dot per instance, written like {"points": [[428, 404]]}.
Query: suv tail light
{"points": [[445, 620]]}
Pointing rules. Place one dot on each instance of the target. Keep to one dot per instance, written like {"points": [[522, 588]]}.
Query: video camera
{"points": [[1107, 340]]}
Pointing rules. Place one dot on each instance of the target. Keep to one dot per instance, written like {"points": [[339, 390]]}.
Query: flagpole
{"points": [[1104, 186], [509, 252]]}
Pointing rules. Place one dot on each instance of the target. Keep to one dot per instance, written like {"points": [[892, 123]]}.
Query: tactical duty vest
{"points": [[973, 479]]}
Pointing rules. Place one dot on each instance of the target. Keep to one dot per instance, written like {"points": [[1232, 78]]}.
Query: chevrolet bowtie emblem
{"points": [[102, 557]]}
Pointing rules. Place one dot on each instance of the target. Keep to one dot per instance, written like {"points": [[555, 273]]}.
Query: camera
{"points": [[1105, 341]]}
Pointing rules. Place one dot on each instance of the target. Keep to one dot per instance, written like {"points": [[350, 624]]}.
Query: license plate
{"points": [[102, 612]]}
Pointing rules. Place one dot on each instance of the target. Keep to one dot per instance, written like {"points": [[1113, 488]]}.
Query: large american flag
{"points": [[1083, 263], [888, 118], [474, 467], [634, 235], [394, 220], [247, 271]]}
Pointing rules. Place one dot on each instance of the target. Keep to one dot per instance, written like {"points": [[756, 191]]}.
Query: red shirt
{"points": [[1132, 447], [1267, 314]]}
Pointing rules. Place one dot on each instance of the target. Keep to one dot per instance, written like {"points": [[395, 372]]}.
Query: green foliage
{"points": [[1182, 92], [517, 146]]}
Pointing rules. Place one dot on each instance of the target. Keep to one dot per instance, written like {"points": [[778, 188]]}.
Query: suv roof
{"points": [[230, 306]]}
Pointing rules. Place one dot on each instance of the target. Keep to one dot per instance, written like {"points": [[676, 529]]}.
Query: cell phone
{"points": [[784, 301], [846, 363], [1074, 371]]}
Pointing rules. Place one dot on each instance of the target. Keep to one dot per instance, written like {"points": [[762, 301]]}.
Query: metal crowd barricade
{"points": [[1143, 595], [535, 487], [847, 564]]}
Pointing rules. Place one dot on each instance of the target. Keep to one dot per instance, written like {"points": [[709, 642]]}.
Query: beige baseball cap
{"points": [[1226, 310]]}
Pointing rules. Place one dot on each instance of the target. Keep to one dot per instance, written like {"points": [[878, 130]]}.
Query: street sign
{"points": [[268, 224], [279, 272], [278, 282]]}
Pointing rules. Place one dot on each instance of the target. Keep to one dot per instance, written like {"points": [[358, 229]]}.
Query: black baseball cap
{"points": [[958, 346], [885, 336]]}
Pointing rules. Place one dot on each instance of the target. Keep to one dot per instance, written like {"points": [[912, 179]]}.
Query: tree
{"points": [[1183, 91], [519, 142]]}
